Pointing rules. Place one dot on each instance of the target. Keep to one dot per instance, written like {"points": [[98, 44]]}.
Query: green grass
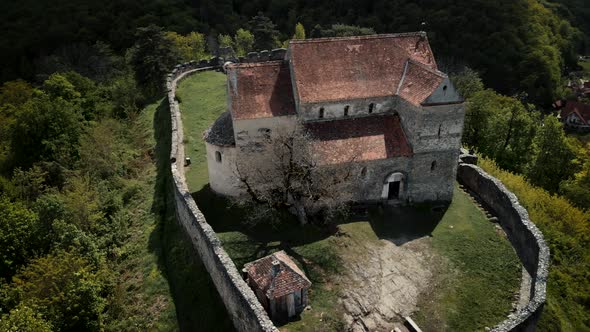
{"points": [[142, 293], [195, 303], [477, 282], [202, 99], [486, 271]]}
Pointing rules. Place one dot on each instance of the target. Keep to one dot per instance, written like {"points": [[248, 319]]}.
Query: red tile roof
{"points": [[289, 279], [360, 139], [260, 90], [418, 83], [329, 69], [581, 109]]}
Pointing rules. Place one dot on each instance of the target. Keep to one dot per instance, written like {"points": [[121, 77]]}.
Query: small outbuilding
{"points": [[280, 286], [576, 116]]}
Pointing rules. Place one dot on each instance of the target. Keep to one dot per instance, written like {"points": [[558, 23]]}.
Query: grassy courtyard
{"points": [[475, 272]]}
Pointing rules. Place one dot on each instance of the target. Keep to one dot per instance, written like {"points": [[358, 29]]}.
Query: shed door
{"points": [[298, 298]]}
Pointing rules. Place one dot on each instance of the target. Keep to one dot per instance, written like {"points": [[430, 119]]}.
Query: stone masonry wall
{"points": [[242, 305], [246, 313], [525, 237]]}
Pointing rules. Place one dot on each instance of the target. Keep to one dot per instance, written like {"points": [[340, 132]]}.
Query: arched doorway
{"points": [[393, 187]]}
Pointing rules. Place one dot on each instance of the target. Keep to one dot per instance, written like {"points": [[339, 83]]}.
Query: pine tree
{"points": [[265, 33]]}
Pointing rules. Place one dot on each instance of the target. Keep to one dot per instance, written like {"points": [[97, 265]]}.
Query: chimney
{"points": [[276, 268]]}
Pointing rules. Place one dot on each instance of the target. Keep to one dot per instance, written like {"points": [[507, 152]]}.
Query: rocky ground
{"points": [[385, 284]]}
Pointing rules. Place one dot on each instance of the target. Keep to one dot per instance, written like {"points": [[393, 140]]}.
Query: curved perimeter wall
{"points": [[525, 237], [246, 313]]}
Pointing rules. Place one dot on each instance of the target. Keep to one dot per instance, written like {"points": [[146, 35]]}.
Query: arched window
{"points": [[218, 156], [321, 112], [371, 107], [363, 172], [433, 165], [346, 108]]}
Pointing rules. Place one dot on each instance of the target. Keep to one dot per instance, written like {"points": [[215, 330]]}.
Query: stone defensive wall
{"points": [[526, 239], [246, 313]]}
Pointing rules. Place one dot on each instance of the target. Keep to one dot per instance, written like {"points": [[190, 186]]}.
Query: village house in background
{"points": [[377, 101], [280, 286], [574, 115]]}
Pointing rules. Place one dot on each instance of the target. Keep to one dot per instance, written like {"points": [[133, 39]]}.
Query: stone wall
{"points": [[525, 237], [242, 306]]}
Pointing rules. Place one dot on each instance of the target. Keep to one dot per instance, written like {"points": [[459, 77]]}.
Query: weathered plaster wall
{"points": [[525, 237], [254, 131], [242, 306], [221, 172]]}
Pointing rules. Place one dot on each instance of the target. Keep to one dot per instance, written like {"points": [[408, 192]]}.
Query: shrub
{"points": [[567, 231]]}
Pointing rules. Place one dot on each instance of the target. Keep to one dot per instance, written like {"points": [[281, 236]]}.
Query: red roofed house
{"points": [[280, 286], [576, 116], [380, 99]]}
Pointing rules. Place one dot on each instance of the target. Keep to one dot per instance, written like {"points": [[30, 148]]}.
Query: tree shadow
{"points": [[198, 305], [261, 240], [224, 216]]}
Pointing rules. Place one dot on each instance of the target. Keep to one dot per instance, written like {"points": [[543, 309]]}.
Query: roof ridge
{"points": [[241, 65], [364, 37], [291, 269], [427, 68], [401, 81]]}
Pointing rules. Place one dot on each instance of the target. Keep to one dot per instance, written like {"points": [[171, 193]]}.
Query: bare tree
{"points": [[283, 173]]}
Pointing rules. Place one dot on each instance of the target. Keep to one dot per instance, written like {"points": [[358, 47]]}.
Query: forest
{"points": [[77, 154]]}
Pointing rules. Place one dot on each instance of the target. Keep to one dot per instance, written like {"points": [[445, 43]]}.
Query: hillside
{"points": [[87, 234]]}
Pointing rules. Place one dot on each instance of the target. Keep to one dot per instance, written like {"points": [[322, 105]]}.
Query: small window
{"points": [[445, 88], [363, 172], [371, 107], [346, 108], [321, 112], [218, 156], [433, 166], [439, 127]]}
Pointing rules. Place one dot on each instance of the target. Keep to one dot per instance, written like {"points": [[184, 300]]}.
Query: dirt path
{"points": [[384, 285]]}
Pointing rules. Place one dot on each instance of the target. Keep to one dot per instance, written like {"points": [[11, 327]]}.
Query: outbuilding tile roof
{"points": [[360, 139], [288, 280]]}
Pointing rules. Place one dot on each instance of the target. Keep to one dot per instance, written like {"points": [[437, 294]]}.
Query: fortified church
{"points": [[378, 101]]}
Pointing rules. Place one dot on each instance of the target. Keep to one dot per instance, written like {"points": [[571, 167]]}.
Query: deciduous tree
{"points": [[65, 288], [20, 236], [283, 173], [552, 157], [244, 42]]}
